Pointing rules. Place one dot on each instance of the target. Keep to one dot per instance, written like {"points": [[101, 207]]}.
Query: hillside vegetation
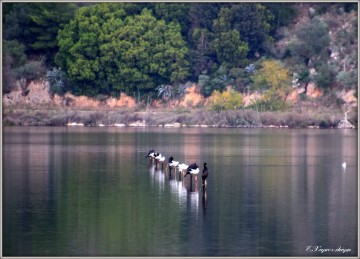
{"points": [[293, 60]]}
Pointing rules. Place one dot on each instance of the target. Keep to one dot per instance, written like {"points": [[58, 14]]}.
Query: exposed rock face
{"points": [[293, 96], [251, 98], [12, 98], [123, 101], [313, 91], [348, 97], [38, 94], [80, 101], [192, 97]]}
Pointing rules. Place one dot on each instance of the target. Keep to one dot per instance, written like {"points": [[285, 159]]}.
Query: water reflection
{"points": [[182, 188], [158, 178], [204, 197], [90, 192], [194, 199]]}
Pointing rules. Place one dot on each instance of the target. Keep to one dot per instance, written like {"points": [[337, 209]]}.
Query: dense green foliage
{"points": [[312, 41], [47, 19], [103, 50], [227, 43], [16, 24], [29, 39], [36, 25], [174, 12], [14, 51], [253, 23], [151, 49]]}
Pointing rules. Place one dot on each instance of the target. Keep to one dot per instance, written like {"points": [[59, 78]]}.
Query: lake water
{"points": [[91, 192]]}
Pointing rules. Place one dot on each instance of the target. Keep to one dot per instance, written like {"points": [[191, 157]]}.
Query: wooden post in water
{"points": [[169, 169], [190, 182], [196, 185]]}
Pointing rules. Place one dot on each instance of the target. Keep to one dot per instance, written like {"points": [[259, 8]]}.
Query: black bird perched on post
{"points": [[156, 158], [192, 169], [151, 155], [172, 163], [205, 173]]}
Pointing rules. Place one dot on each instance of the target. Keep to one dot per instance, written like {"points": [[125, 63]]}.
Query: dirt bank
{"points": [[38, 107]]}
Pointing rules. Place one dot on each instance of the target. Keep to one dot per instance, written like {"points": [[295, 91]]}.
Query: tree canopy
{"points": [[107, 48], [227, 44], [312, 41], [117, 52]]}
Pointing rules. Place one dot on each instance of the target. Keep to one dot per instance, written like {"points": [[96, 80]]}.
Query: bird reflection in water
{"points": [[192, 193], [204, 197], [151, 156], [158, 177], [194, 199]]}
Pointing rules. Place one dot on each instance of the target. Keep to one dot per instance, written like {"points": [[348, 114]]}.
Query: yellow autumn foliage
{"points": [[274, 79], [227, 100]]}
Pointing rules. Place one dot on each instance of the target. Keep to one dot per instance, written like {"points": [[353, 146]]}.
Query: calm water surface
{"points": [[91, 192]]}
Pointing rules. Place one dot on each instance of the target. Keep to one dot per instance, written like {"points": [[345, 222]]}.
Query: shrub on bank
{"points": [[245, 118], [10, 121], [31, 71], [227, 100], [60, 120]]}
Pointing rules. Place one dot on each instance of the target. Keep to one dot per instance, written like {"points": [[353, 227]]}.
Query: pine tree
{"points": [[47, 19]]}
